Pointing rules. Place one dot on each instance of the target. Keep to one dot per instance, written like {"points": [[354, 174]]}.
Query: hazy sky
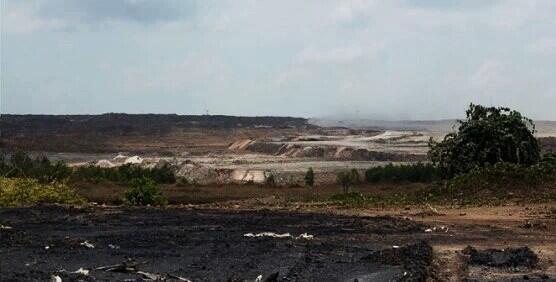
{"points": [[390, 59]]}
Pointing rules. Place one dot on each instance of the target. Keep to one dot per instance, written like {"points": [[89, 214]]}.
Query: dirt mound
{"points": [[134, 160], [104, 164], [240, 145], [511, 257], [264, 147], [249, 176], [195, 173]]}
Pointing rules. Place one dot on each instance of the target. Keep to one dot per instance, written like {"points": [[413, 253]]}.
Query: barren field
{"points": [[233, 244]]}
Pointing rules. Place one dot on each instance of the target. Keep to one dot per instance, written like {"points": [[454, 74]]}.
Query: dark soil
{"points": [[206, 245], [511, 257]]}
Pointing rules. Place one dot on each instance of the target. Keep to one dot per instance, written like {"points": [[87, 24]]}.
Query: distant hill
{"points": [[130, 124], [544, 128]]}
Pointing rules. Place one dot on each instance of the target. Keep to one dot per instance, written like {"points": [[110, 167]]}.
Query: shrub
{"points": [[15, 192], [310, 177], [418, 172], [21, 165], [487, 136], [143, 191], [125, 174]]}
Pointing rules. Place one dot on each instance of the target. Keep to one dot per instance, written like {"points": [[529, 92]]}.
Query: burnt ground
{"points": [[208, 245]]}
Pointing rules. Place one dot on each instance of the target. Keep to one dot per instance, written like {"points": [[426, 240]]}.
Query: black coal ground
{"points": [[206, 245]]}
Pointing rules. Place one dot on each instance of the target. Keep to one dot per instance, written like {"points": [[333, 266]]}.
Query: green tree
{"points": [[487, 136], [355, 177], [310, 177], [347, 178]]}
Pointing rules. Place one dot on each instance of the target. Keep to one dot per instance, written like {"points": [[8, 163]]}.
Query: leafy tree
{"points": [[347, 179], [355, 177], [310, 177], [487, 136]]}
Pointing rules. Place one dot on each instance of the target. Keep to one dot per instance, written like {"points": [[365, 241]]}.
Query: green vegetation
{"points": [[21, 165], [492, 159], [124, 174], [418, 172], [142, 192], [487, 136], [491, 185], [26, 181], [310, 177], [347, 179], [16, 192]]}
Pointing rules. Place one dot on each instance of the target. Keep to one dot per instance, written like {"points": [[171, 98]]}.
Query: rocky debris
{"points": [[196, 173], [104, 164], [304, 236], [324, 151], [240, 145], [88, 244], [313, 152], [131, 266], [343, 153], [415, 259], [249, 176], [264, 147], [134, 160], [511, 257], [535, 225], [120, 158]]}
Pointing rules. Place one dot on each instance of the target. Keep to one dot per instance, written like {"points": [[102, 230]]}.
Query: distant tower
{"points": [[207, 112]]}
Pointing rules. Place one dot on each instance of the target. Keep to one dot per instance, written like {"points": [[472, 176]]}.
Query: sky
{"points": [[390, 59]]}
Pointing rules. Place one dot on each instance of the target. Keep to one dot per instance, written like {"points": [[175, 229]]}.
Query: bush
{"points": [[501, 175], [15, 192], [418, 172], [125, 174], [310, 177], [487, 136], [21, 165], [143, 191]]}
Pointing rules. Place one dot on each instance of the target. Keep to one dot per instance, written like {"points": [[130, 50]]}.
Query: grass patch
{"points": [[17, 192]]}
